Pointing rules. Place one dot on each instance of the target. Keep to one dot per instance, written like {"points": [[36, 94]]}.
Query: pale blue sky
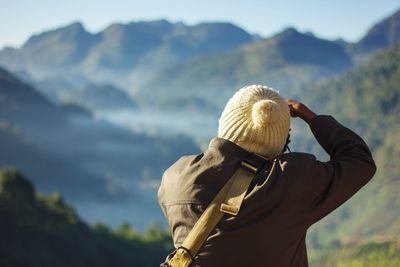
{"points": [[348, 19]]}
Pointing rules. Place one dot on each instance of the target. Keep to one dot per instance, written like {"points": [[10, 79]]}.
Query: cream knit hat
{"points": [[256, 118]]}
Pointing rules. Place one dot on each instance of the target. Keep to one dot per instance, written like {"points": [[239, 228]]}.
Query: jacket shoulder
{"points": [[297, 159], [184, 161], [172, 183]]}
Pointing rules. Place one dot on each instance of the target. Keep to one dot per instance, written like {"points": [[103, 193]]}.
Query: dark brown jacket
{"points": [[289, 194]]}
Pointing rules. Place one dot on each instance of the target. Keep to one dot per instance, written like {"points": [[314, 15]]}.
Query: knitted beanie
{"points": [[256, 118]]}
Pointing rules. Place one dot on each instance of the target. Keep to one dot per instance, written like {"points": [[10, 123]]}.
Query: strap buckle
{"points": [[181, 257], [240, 183], [249, 167]]}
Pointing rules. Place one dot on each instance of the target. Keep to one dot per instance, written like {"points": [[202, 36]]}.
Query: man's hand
{"points": [[300, 110]]}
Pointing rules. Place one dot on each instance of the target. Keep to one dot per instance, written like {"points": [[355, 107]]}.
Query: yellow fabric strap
{"points": [[228, 200], [234, 198]]}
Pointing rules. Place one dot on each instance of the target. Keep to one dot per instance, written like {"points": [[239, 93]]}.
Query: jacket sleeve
{"points": [[330, 184]]}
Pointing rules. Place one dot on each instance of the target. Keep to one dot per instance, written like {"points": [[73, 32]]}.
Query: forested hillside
{"points": [[40, 230], [366, 99]]}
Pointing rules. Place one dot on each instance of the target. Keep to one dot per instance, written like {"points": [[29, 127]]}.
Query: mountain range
{"points": [[188, 66], [120, 54], [283, 61]]}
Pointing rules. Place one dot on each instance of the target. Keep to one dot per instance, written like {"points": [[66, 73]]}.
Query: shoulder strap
{"points": [[228, 200]]}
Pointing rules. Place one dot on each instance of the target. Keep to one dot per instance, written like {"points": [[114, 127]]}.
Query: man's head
{"points": [[256, 118]]}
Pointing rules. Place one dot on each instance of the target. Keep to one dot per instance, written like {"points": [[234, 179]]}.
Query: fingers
{"points": [[293, 107], [298, 109]]}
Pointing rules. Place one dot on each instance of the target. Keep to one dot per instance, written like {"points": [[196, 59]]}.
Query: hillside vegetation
{"points": [[367, 100], [374, 254], [39, 230]]}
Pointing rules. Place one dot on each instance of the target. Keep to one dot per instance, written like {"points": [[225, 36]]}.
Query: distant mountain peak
{"points": [[68, 32], [291, 34], [290, 29], [382, 35], [151, 26], [159, 22], [297, 47], [114, 27], [77, 25], [309, 33]]}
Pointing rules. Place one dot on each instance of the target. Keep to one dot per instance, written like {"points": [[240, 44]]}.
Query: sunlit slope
{"points": [[366, 99]]}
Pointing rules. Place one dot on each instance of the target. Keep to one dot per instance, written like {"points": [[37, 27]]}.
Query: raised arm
{"points": [[329, 184]]}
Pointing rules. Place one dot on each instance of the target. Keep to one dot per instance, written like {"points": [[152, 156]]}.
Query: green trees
{"points": [[385, 254], [367, 99], [38, 230]]}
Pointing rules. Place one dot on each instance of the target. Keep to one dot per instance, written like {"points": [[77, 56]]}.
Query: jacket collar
{"points": [[228, 147]]}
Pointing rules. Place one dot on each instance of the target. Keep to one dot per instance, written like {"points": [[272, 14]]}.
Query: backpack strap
{"points": [[228, 200]]}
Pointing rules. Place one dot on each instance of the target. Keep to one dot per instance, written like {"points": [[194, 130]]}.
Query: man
{"points": [[289, 193]]}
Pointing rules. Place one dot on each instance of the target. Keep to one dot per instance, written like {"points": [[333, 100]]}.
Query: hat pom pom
{"points": [[264, 112]]}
